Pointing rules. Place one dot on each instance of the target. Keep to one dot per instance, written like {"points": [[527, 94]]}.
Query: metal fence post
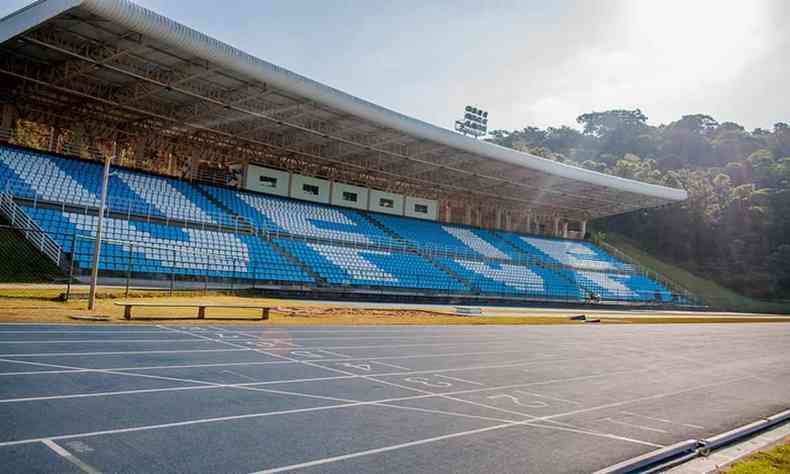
{"points": [[71, 265], [129, 270], [173, 273]]}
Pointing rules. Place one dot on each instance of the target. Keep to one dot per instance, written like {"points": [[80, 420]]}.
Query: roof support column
{"points": [[468, 216], [139, 154], [583, 228], [529, 222], [479, 219], [499, 218], [556, 226], [8, 121], [508, 221], [565, 230], [194, 164]]}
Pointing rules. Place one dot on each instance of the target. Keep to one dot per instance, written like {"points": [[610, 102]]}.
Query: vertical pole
{"points": [[173, 273], [71, 265], [97, 249], [129, 270]]}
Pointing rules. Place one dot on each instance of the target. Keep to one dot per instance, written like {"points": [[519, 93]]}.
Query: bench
{"points": [[127, 312]]}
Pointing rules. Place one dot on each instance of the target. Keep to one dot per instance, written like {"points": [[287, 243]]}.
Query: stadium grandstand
{"points": [[231, 171]]}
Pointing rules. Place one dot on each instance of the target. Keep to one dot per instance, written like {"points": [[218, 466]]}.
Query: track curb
{"points": [[683, 451]]}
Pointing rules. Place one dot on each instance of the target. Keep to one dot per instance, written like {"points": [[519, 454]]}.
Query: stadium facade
{"points": [[231, 168]]}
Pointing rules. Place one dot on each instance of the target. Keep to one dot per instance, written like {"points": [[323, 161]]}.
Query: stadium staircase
{"points": [[159, 227], [21, 261], [318, 278], [382, 227]]}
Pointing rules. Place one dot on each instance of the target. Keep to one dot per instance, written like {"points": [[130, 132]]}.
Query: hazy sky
{"points": [[527, 62]]}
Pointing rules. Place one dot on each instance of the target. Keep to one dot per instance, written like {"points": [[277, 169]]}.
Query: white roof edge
{"points": [[32, 15], [179, 36]]}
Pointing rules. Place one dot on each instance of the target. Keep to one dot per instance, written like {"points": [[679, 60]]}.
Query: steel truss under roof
{"points": [[124, 72]]}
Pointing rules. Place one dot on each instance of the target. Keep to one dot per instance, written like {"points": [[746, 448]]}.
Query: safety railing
{"points": [[18, 218], [127, 209]]}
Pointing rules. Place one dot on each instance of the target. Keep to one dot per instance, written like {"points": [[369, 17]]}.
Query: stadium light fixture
{"points": [[474, 122]]}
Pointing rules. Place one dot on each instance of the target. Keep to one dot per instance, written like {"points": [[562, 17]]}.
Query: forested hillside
{"points": [[735, 227]]}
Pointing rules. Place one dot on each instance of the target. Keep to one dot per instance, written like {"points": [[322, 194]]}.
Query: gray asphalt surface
{"points": [[245, 399]]}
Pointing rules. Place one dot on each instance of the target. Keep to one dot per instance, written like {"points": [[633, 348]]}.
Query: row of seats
{"points": [[299, 217], [344, 247], [350, 266], [570, 253], [156, 248], [43, 177], [499, 278]]}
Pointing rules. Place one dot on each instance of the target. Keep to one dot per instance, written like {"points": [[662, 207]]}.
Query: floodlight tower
{"points": [[475, 122]]}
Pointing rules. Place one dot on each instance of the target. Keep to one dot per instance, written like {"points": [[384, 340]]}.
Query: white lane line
{"points": [[460, 380], [84, 467], [302, 410], [104, 394], [241, 375], [272, 382], [410, 356], [394, 447], [64, 354], [632, 425], [373, 378], [55, 447], [182, 351], [662, 420], [549, 398], [99, 341], [390, 365], [336, 354]]}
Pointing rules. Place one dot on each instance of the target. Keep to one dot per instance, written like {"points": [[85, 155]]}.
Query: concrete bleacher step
{"points": [[286, 254], [381, 226], [453, 274], [216, 202]]}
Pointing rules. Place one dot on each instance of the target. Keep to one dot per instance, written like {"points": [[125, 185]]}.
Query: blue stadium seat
{"points": [[300, 217], [447, 238], [44, 177], [351, 266], [157, 248], [344, 247]]}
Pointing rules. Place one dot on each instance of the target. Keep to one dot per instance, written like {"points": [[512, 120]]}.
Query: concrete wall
{"points": [[342, 194], [282, 183], [415, 205], [379, 202], [265, 180], [307, 188]]}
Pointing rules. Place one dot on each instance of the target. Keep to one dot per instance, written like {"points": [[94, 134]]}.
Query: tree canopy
{"points": [[735, 226]]}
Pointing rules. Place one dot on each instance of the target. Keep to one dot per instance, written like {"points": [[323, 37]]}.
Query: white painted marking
{"points": [[365, 367], [689, 425], [427, 382], [66, 354], [517, 401], [306, 354], [55, 447], [548, 397], [240, 375], [336, 354], [632, 425], [460, 380], [391, 365]]}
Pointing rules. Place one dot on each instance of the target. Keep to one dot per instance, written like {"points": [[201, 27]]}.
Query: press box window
{"points": [[350, 197], [310, 189], [421, 209], [388, 203], [268, 181]]}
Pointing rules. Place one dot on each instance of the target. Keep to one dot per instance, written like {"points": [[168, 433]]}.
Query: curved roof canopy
{"points": [[114, 63]]}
